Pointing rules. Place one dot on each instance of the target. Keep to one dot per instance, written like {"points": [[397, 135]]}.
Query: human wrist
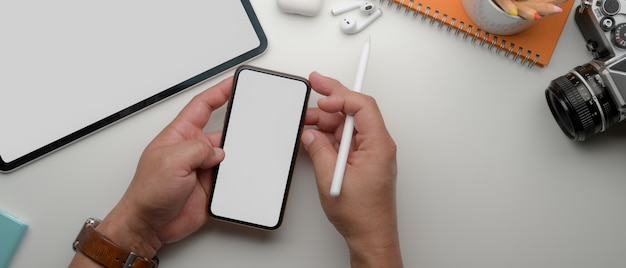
{"points": [[130, 234], [380, 250]]}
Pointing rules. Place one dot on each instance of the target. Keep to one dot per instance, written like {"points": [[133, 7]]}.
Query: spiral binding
{"points": [[484, 37]]}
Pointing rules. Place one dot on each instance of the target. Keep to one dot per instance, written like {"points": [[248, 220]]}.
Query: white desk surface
{"points": [[486, 178]]}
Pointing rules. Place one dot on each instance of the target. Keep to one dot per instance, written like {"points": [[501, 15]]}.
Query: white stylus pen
{"points": [[348, 127]]}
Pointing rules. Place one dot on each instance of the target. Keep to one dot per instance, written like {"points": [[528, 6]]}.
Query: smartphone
{"points": [[262, 128]]}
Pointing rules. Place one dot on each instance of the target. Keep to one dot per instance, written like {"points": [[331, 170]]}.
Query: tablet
{"points": [[72, 67]]}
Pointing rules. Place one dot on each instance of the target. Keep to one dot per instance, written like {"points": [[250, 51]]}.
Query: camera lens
{"points": [[581, 103]]}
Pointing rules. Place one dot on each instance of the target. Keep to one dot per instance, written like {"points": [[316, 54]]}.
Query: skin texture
{"points": [[167, 198]]}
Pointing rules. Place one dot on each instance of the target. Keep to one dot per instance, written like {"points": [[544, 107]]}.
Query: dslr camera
{"points": [[592, 97]]}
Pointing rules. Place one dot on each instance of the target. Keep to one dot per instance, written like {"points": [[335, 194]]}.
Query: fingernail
{"points": [[558, 9], [307, 138], [513, 12], [537, 16]]}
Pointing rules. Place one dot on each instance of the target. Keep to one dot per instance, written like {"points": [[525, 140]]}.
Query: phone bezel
{"points": [[294, 151]]}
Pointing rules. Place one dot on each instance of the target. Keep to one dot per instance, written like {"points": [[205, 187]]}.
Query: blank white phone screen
{"points": [[260, 143]]}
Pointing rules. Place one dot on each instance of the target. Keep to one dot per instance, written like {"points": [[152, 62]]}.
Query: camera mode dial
{"points": [[610, 7], [618, 35]]}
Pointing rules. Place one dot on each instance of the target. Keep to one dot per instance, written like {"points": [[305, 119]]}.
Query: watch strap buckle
{"points": [[130, 260]]}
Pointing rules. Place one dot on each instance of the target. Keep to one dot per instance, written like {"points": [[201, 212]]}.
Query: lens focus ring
{"points": [[580, 106]]}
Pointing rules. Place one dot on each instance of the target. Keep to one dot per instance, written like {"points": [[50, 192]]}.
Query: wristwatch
{"points": [[101, 250]]}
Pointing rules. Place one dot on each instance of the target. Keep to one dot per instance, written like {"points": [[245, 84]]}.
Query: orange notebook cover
{"points": [[533, 46]]}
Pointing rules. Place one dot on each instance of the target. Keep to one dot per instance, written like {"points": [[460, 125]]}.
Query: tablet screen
{"points": [[71, 67]]}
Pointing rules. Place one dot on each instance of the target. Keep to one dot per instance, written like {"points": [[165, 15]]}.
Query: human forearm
{"points": [[82, 261]]}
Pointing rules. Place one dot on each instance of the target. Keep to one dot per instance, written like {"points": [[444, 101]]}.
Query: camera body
{"points": [[592, 97]]}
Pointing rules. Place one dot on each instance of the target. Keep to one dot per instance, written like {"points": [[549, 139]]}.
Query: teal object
{"points": [[11, 233]]}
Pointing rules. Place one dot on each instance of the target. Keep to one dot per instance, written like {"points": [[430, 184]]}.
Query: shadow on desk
{"points": [[208, 233], [612, 137], [239, 231]]}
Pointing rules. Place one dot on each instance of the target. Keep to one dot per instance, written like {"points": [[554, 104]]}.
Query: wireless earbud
{"points": [[350, 26], [366, 8]]}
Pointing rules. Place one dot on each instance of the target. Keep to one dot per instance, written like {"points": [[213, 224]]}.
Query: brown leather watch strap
{"points": [[104, 252]]}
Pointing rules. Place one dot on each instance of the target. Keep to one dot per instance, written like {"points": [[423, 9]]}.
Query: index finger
{"points": [[198, 111], [367, 115]]}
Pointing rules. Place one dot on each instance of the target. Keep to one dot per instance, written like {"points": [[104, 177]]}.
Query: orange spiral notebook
{"points": [[534, 46]]}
